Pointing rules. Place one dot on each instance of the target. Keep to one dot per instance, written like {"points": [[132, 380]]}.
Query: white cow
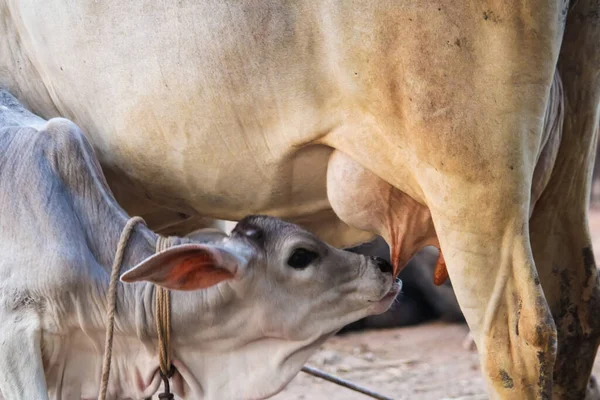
{"points": [[250, 310], [439, 122]]}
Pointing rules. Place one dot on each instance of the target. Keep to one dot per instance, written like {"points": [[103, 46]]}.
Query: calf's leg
{"points": [[21, 369]]}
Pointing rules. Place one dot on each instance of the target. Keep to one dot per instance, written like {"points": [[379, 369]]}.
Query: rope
{"points": [[163, 318], [112, 303]]}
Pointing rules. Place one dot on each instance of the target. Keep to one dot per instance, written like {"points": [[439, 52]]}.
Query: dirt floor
{"points": [[426, 362]]}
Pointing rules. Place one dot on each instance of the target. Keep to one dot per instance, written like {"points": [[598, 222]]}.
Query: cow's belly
{"points": [[228, 180], [279, 170]]}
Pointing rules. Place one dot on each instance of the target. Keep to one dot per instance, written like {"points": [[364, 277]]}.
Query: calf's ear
{"points": [[188, 267]]}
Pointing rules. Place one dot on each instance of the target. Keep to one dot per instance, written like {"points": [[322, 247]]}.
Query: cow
{"points": [[246, 310], [469, 126]]}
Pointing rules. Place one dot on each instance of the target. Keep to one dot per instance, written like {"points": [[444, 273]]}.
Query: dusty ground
{"points": [[426, 362]]}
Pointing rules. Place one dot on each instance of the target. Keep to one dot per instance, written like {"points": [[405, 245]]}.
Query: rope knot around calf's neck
{"points": [[162, 315]]}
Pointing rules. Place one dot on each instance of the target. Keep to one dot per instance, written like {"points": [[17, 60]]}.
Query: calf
{"points": [[247, 309]]}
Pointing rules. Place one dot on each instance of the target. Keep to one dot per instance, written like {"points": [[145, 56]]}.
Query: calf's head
{"points": [[280, 292]]}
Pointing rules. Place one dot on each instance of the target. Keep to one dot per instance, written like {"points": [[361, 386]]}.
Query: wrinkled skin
{"points": [[220, 110]]}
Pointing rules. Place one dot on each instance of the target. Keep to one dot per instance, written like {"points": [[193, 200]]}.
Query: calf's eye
{"points": [[301, 258]]}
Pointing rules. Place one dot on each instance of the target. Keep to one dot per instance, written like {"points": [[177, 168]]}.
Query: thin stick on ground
{"points": [[342, 382]]}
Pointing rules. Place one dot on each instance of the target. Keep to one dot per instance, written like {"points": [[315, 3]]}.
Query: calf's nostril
{"points": [[383, 265]]}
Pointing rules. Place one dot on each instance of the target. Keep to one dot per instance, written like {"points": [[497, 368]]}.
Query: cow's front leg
{"points": [[496, 283], [21, 369]]}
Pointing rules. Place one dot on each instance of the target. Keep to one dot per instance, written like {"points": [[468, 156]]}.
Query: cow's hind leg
{"points": [[559, 225], [21, 369], [489, 259], [564, 258]]}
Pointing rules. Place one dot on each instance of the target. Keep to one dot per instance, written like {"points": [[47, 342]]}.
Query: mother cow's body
{"points": [[226, 109]]}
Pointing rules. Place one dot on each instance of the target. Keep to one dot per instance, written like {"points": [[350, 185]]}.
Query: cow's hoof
{"points": [[592, 392]]}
